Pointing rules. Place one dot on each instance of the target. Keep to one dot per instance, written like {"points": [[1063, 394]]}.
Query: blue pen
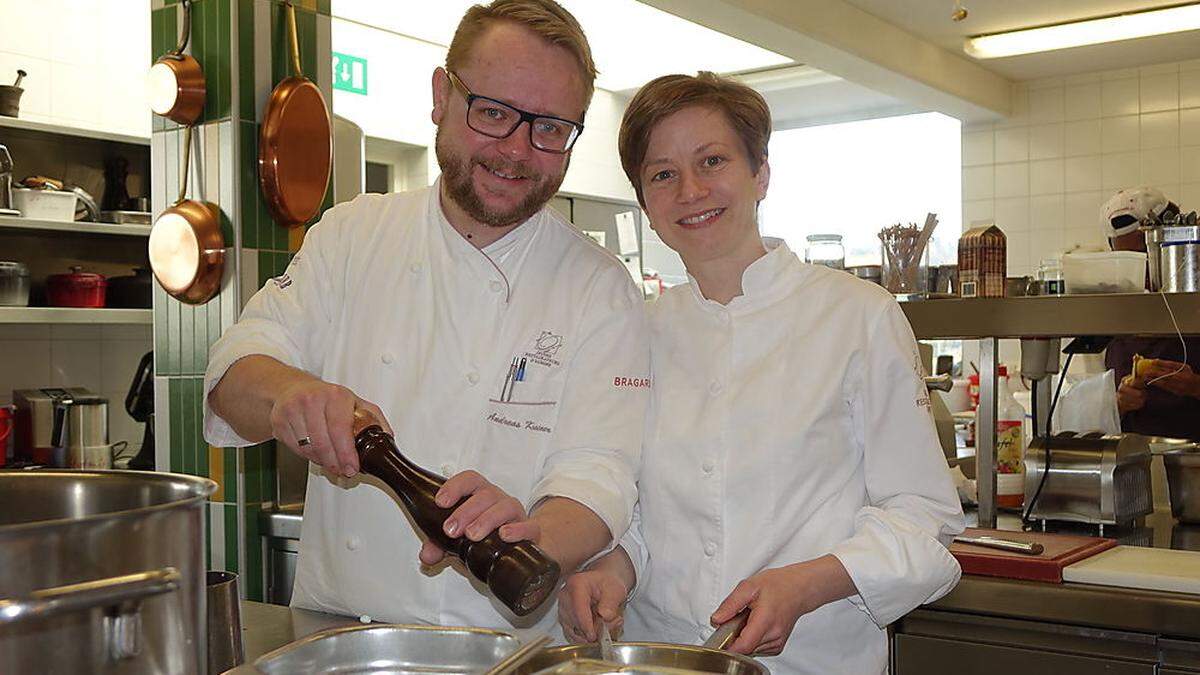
{"points": [[521, 371]]}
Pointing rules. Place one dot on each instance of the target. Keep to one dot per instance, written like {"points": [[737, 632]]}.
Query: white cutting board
{"points": [[1157, 569]]}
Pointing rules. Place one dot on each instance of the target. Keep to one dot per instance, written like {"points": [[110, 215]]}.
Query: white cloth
{"points": [[386, 298], [789, 424]]}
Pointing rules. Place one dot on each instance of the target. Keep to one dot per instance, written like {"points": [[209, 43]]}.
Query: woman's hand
{"points": [[778, 597], [594, 595]]}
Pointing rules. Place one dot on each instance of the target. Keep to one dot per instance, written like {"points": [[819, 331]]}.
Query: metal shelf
{"points": [[78, 227], [47, 127], [75, 315], [1053, 316]]}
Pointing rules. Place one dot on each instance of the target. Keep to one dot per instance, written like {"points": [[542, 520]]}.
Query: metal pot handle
{"points": [[49, 602], [727, 632]]}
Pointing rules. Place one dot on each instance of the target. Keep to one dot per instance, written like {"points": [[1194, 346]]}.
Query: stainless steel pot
{"points": [[103, 572], [1183, 482], [14, 283]]}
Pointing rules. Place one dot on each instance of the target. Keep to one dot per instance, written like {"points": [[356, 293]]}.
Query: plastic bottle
{"points": [[1010, 445]]}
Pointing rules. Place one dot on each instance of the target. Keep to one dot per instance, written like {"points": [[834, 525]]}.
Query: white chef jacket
{"points": [[386, 298], [789, 424]]}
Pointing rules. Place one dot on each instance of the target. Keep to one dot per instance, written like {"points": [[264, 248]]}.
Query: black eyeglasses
{"points": [[498, 120]]}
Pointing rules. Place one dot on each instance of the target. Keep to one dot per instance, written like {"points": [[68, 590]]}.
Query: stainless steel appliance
{"points": [[103, 572], [35, 421], [281, 532], [1093, 478], [1179, 263], [1183, 482], [81, 432]]}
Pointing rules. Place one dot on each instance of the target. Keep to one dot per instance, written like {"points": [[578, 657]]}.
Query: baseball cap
{"points": [[1124, 211]]}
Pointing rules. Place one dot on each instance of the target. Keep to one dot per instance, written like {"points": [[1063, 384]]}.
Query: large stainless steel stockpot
{"points": [[102, 572]]}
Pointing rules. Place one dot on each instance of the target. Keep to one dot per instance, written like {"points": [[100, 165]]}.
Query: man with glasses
{"points": [[501, 345]]}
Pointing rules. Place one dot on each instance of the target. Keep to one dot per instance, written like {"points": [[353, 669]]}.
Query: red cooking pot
{"points": [[76, 289]]}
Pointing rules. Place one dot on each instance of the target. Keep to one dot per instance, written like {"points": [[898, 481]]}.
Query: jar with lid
{"points": [[1050, 275], [825, 249]]}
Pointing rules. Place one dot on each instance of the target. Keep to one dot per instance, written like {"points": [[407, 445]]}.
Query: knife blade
{"points": [[1027, 548]]}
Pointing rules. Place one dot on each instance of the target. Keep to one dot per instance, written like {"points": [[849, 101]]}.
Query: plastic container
{"points": [[45, 204], [1050, 274], [1108, 272], [825, 249], [1010, 445]]}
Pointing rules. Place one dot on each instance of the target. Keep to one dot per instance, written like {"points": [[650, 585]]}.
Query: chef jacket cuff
{"points": [[217, 431], [609, 507], [891, 579], [635, 548]]}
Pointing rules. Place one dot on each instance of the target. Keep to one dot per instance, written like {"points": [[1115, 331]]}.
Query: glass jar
{"points": [[825, 249], [1050, 274]]}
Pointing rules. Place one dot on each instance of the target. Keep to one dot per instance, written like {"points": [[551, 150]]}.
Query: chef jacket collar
{"points": [[764, 281], [491, 261]]}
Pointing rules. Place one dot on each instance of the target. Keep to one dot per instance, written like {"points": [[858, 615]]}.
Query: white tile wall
{"points": [[86, 61], [1043, 173], [101, 358]]}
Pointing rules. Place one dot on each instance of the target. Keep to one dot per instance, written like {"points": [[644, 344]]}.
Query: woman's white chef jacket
{"points": [[789, 424], [386, 298]]}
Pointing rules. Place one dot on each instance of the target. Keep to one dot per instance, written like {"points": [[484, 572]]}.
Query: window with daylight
{"points": [[857, 178]]}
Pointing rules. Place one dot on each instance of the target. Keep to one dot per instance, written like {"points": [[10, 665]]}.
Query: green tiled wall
{"points": [[225, 37]]}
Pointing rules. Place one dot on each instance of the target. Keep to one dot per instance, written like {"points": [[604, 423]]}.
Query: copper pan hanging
{"points": [[295, 149], [175, 84], [187, 250]]}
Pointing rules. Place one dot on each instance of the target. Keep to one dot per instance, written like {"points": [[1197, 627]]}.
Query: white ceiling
{"points": [[930, 21]]}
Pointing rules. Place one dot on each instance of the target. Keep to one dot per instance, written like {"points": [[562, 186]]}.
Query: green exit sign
{"points": [[350, 73]]}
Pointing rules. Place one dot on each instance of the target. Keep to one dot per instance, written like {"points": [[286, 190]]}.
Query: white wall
{"points": [[1071, 143], [399, 100], [86, 61]]}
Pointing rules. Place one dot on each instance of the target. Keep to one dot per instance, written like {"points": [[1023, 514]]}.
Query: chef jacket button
{"points": [[496, 286], [365, 618], [473, 378], [715, 387], [352, 543], [710, 549], [708, 466], [387, 357], [415, 268]]}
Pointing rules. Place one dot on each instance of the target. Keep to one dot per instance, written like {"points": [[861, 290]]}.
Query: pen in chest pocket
{"points": [[516, 373]]}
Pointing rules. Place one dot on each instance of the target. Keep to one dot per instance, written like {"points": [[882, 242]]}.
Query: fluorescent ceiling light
{"points": [[632, 43], [1087, 32]]}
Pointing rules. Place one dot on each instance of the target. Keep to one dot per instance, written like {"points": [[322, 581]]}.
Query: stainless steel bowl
{"points": [[1183, 481], [654, 654]]}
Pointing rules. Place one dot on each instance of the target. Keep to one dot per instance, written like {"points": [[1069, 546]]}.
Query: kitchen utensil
{"points": [[132, 291], [34, 411], [1105, 272], [906, 259], [187, 249], [825, 249], [522, 654], [1183, 483], [175, 83], [388, 648], [295, 150], [125, 217], [76, 289], [1153, 233], [45, 203], [1058, 551], [1156, 569], [10, 96], [225, 650], [6, 170], [1027, 548], [871, 273], [80, 434], [1093, 478], [711, 657], [103, 572], [139, 404], [1179, 259], [14, 284]]}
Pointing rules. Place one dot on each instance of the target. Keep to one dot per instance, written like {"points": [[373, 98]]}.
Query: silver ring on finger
{"points": [[304, 442]]}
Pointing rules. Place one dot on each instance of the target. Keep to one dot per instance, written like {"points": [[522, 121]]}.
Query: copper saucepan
{"points": [[295, 149], [175, 84]]}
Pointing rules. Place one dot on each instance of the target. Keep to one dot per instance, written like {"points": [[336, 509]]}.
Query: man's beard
{"points": [[456, 174]]}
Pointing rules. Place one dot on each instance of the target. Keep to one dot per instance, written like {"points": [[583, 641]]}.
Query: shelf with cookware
{"points": [[17, 223], [75, 315], [77, 132]]}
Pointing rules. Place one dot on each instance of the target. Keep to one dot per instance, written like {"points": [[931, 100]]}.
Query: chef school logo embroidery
{"points": [[545, 348], [923, 393], [284, 280]]}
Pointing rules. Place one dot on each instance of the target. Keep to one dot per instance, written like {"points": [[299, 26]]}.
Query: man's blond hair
{"points": [[545, 18]]}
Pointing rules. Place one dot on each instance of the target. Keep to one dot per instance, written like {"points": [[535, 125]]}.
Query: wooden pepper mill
{"points": [[520, 574]]}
